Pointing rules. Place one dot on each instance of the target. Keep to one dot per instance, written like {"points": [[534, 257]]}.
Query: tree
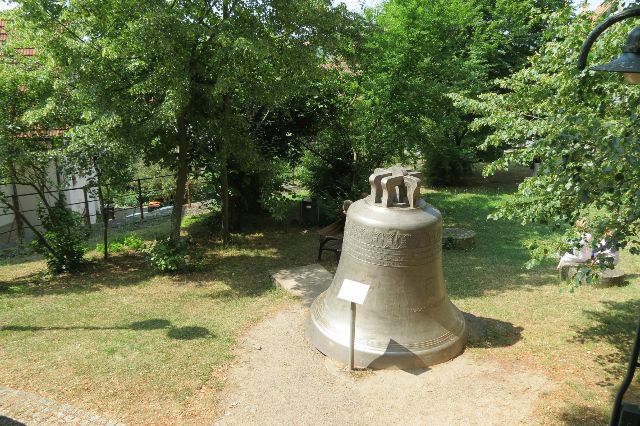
{"points": [[343, 149], [184, 80], [582, 127], [425, 50], [104, 158], [32, 150]]}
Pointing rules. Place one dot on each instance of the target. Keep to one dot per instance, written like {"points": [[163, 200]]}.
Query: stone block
{"points": [[305, 282], [458, 238]]}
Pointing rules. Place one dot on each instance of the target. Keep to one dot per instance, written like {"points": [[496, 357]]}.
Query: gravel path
{"points": [[21, 408], [280, 379]]}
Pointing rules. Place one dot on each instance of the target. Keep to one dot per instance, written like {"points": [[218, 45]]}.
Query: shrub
{"points": [[130, 242], [65, 238], [448, 165], [281, 207], [133, 242], [169, 258]]}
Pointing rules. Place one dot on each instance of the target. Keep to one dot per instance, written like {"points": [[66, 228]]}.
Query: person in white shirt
{"points": [[582, 255], [585, 254]]}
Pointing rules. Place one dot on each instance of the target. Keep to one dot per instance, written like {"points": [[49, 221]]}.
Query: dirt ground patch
{"points": [[280, 379]]}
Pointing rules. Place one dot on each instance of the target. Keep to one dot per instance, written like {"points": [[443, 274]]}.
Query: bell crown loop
{"points": [[395, 187]]}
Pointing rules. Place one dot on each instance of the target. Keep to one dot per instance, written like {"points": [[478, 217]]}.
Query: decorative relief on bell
{"points": [[392, 249], [373, 237]]}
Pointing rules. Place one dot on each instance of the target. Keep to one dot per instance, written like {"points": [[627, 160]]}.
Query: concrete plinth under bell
{"points": [[393, 243]]}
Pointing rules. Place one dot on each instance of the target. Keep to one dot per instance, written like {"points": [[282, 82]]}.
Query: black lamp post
{"points": [[628, 64]]}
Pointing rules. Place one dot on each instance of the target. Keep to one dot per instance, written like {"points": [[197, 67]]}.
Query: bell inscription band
{"points": [[393, 243]]}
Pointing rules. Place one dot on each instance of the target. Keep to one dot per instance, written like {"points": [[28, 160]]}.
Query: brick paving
{"points": [[22, 408]]}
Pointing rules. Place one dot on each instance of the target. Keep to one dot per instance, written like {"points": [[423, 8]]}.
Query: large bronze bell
{"points": [[393, 243]]}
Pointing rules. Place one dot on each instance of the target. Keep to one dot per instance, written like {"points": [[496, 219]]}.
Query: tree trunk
{"points": [[222, 151], [224, 196], [181, 180], [103, 210], [105, 222], [15, 199], [224, 169], [354, 170]]}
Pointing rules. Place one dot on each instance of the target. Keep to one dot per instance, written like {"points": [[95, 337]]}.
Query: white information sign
{"points": [[353, 291]]}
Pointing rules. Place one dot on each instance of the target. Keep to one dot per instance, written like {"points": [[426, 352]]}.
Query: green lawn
{"points": [[580, 340], [153, 349], [120, 340]]}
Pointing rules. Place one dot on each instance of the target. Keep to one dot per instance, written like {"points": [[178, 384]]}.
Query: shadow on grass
{"points": [[20, 259], [177, 333], [512, 177], [189, 333], [491, 333], [583, 415], [117, 271], [497, 263], [244, 275], [207, 226], [616, 325], [246, 264]]}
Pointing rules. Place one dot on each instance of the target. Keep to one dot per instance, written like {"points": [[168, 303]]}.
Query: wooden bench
{"points": [[331, 235], [331, 239]]}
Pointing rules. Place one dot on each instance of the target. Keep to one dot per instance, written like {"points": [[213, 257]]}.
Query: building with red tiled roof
{"points": [[27, 51], [4, 36], [598, 11], [601, 9]]}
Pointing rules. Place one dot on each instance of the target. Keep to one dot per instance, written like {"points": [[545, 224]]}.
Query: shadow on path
{"points": [[6, 421], [390, 359], [24, 408]]}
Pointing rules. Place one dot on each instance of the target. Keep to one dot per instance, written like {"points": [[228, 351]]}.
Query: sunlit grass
{"points": [[579, 340], [148, 348], [123, 341]]}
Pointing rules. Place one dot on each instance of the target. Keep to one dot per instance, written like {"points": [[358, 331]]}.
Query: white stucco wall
{"points": [[75, 197], [29, 201]]}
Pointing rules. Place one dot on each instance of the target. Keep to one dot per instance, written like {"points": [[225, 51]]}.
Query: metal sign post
{"points": [[352, 339], [354, 292]]}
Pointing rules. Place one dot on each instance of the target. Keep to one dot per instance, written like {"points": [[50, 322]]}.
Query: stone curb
{"points": [[21, 408]]}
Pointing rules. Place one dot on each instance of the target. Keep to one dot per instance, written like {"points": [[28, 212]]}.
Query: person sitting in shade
{"points": [[577, 256], [585, 254], [606, 252]]}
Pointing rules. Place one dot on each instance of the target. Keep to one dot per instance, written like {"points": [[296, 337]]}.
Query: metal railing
{"points": [[124, 206]]}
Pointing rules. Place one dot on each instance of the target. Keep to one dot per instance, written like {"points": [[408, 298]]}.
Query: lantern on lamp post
{"points": [[628, 64]]}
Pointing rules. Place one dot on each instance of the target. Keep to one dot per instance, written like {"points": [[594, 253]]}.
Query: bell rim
{"points": [[374, 358]]}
